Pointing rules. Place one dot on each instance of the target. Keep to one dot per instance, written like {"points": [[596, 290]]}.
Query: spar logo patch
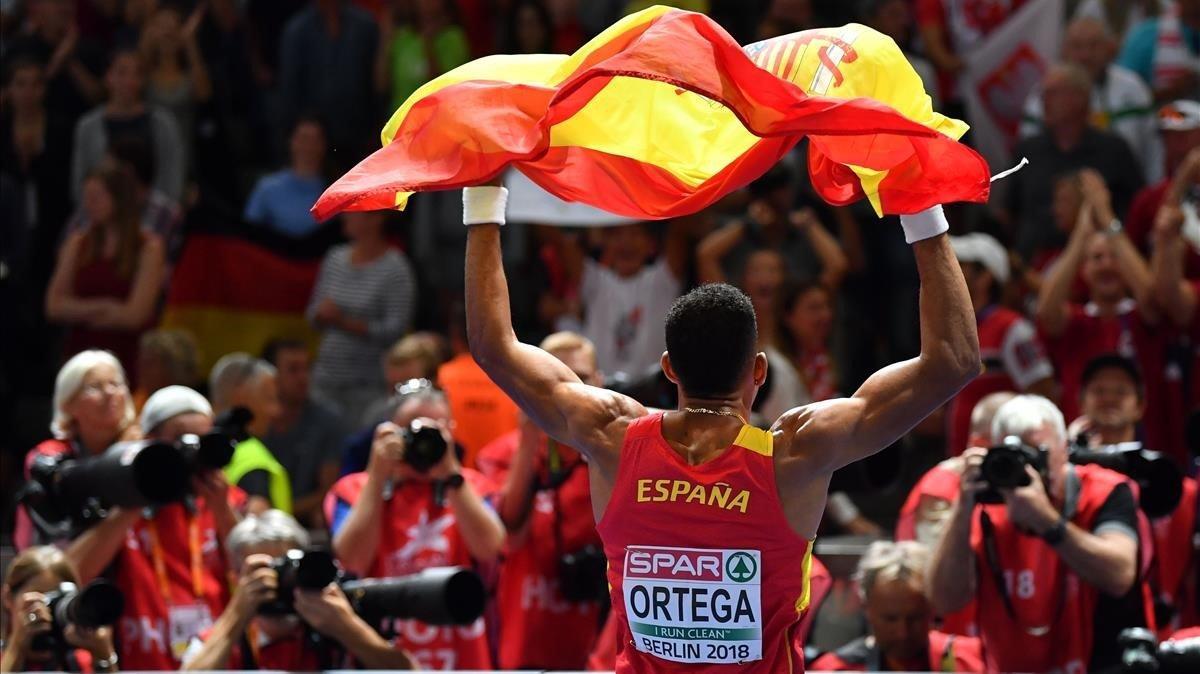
{"points": [[694, 605]]}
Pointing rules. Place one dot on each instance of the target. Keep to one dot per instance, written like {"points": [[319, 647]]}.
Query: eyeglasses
{"points": [[102, 387]]}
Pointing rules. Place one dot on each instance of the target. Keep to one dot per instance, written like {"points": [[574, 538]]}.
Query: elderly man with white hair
{"points": [[1053, 567], [891, 584], [244, 639], [166, 560]]}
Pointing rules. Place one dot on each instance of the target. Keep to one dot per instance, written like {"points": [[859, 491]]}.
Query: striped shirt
{"points": [[382, 293]]}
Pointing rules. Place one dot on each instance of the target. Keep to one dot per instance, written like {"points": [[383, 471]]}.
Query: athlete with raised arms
{"points": [[707, 522]]}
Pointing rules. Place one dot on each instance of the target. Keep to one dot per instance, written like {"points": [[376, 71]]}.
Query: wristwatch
{"points": [[1114, 227], [107, 664], [1055, 534]]}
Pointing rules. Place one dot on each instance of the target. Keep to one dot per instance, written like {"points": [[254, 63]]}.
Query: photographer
{"points": [[409, 512], [31, 575], [891, 584], [167, 560], [1041, 562], [550, 581], [1113, 404], [242, 638], [241, 380], [92, 410]]}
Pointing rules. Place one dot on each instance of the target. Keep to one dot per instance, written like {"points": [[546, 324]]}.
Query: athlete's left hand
{"points": [[1029, 507]]}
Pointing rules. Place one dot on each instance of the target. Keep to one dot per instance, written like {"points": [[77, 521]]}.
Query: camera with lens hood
{"points": [[97, 604], [1004, 468]]}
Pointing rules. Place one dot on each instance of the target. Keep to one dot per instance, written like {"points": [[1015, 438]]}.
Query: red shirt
{"points": [[940, 483], [1044, 591], [418, 534], [539, 628], [290, 654], [1014, 360], [704, 569], [1139, 225], [947, 653], [1088, 335]]}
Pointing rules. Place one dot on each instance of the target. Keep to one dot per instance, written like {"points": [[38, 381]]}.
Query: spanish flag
{"points": [[664, 113]]}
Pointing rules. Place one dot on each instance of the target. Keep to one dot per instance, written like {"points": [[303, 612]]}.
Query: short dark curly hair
{"points": [[712, 337]]}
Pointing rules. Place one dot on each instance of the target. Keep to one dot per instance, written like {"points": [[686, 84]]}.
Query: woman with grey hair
{"points": [[891, 584], [92, 410], [279, 642]]}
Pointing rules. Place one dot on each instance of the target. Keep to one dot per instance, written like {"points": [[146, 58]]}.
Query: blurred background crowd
{"points": [[158, 161]]}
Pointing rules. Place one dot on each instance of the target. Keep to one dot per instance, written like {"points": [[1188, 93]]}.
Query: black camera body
{"points": [[583, 575], [424, 446], [436, 596], [1141, 653], [97, 604], [1159, 479], [1004, 468]]}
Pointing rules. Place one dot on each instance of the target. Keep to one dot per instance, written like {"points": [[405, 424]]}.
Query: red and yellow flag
{"points": [[664, 113]]}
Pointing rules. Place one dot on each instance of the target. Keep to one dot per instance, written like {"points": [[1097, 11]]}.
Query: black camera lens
{"points": [[98, 604], [424, 446], [299, 570]]}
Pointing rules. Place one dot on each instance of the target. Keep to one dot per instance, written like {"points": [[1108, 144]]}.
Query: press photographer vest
{"points": [[947, 653], [416, 534], [704, 570], [1055, 610], [251, 455]]}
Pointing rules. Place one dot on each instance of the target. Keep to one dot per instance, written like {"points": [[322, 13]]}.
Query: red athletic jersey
{"points": [[417, 534], [1014, 360], [1088, 335], [938, 486], [703, 567], [947, 653], [539, 628], [1045, 593], [290, 654], [1175, 580]]}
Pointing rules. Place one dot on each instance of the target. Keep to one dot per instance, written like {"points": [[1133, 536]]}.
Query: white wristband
{"points": [[484, 204], [924, 225]]}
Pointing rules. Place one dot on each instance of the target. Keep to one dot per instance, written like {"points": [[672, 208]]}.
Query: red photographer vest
{"points": [[1054, 609], [417, 534]]}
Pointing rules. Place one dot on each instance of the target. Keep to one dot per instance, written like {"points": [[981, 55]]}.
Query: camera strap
{"points": [[195, 558], [992, 553]]}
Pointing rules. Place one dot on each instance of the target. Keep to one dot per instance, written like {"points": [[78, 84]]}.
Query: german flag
{"points": [[664, 113], [233, 295]]}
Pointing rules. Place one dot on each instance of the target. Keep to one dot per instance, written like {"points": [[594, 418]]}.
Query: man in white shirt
{"points": [[1121, 102]]}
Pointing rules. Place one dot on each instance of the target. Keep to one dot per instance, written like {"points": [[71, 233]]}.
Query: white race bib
{"points": [[694, 605]]}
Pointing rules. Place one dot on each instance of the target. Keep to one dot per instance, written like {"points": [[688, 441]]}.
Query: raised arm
{"points": [[831, 434], [587, 418], [1130, 262], [834, 264], [1052, 310], [713, 248]]}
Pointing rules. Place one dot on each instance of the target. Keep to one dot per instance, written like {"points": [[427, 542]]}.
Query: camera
{"points": [[1004, 468], [99, 603], [1159, 480], [1142, 653], [582, 575], [66, 492], [424, 446], [437, 596]]}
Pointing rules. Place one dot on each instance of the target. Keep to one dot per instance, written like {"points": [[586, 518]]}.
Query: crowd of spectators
{"points": [[128, 126]]}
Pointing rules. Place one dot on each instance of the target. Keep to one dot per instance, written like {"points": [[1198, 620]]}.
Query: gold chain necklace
{"points": [[718, 413]]}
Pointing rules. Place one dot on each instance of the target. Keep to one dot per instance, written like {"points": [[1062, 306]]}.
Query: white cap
{"points": [[170, 402], [982, 249], [1181, 115]]}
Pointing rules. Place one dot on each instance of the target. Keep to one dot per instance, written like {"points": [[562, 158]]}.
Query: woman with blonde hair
{"points": [[92, 410], [32, 575]]}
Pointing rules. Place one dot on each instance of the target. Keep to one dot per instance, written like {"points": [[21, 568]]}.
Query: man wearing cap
{"points": [[1013, 356], [167, 561], [1179, 126]]}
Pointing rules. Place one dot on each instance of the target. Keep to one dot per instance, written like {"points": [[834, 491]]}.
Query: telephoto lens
{"points": [[441, 596]]}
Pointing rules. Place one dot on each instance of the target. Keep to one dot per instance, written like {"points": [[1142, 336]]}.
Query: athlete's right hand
{"points": [[971, 483], [387, 451], [256, 586]]}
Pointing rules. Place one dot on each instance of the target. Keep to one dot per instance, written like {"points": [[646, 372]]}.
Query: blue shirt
{"points": [[1137, 54], [281, 201]]}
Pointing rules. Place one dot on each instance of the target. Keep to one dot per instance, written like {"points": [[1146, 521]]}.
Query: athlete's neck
{"points": [[729, 405]]}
